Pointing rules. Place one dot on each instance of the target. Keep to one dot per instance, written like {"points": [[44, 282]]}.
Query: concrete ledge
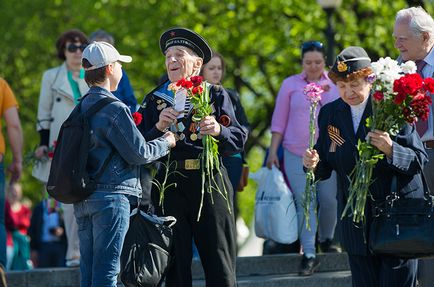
{"points": [[279, 264], [45, 277], [267, 271], [322, 279]]}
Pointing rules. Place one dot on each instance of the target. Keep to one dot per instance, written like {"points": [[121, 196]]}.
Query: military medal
{"points": [[180, 126], [193, 137], [192, 127]]}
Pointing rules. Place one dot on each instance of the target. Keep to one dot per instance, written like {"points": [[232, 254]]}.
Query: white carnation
{"points": [[408, 67]]}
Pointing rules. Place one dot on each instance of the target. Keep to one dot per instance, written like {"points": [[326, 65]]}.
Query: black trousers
{"points": [[213, 234], [376, 271]]}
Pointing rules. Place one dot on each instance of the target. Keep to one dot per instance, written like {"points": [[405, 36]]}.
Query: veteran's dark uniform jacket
{"points": [[337, 148], [232, 136]]}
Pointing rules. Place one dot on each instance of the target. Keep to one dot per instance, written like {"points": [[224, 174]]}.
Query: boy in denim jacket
{"points": [[103, 218]]}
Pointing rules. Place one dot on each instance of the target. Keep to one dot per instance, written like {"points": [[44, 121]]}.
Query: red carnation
{"points": [[379, 96], [420, 106], [428, 84], [409, 84], [137, 117], [196, 80], [399, 98], [180, 83], [50, 154], [197, 90]]}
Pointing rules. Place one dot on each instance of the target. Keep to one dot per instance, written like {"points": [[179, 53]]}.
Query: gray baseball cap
{"points": [[100, 54]]}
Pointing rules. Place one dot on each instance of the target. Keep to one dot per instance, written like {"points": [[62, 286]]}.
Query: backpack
{"points": [[69, 181]]}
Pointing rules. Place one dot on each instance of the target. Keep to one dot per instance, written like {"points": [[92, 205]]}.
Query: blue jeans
{"points": [[2, 216], [103, 220]]}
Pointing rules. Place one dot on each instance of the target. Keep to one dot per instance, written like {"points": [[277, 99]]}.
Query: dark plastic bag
{"points": [[147, 249]]}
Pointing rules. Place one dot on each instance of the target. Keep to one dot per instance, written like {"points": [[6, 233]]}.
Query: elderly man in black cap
{"points": [[341, 125], [214, 233]]}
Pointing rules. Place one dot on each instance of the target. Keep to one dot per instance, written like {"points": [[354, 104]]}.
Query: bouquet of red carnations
{"points": [[399, 96]]}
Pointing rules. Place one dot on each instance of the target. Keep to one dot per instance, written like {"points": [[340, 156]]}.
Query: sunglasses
{"points": [[311, 45], [73, 48]]}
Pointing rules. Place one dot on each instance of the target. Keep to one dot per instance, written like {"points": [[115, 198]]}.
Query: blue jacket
{"points": [[114, 131]]}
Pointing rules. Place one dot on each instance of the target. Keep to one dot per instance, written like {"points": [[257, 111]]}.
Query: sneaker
{"points": [[327, 246], [308, 266], [3, 282], [73, 262]]}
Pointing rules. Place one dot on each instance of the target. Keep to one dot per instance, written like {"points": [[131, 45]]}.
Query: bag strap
{"points": [[98, 106], [394, 186], [90, 112]]}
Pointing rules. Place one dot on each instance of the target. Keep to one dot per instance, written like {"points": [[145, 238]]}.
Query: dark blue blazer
{"points": [[407, 162]]}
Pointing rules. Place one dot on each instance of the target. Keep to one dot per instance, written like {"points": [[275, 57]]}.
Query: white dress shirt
{"points": [[357, 113]]}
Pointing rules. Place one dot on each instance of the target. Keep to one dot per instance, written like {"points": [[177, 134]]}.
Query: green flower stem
{"points": [[310, 188], [361, 180]]}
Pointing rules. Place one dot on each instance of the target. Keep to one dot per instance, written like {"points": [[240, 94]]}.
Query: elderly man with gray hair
{"points": [[414, 38]]}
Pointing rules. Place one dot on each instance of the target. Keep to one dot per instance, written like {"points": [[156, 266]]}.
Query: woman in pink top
{"points": [[290, 127]]}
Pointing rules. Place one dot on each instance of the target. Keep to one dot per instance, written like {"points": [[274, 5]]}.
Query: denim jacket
{"points": [[113, 130]]}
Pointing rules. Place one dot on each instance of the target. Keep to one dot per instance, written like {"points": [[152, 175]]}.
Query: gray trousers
{"points": [[327, 214], [426, 266]]}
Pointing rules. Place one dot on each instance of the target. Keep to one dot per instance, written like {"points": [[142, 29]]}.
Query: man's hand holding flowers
{"points": [[166, 118], [209, 126]]}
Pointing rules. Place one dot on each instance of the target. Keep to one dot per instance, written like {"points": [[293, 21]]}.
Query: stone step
{"points": [[251, 271], [279, 264], [321, 279]]}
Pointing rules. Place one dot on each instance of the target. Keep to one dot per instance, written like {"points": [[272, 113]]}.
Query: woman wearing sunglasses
{"points": [[290, 127], [61, 88]]}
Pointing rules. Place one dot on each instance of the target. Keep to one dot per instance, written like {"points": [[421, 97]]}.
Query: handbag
{"points": [[146, 253], [403, 227]]}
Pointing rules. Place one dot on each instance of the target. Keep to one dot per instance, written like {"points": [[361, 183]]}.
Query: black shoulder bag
{"points": [[147, 250], [403, 227]]}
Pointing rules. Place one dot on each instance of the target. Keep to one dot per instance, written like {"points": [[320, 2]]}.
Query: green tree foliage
{"points": [[260, 40]]}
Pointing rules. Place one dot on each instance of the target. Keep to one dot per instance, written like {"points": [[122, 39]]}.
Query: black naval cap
{"points": [[350, 60], [187, 38]]}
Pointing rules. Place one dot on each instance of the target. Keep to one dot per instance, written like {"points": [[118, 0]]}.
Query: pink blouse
{"points": [[291, 112]]}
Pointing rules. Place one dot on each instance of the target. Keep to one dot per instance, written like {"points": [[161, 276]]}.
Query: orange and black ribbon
{"points": [[335, 137]]}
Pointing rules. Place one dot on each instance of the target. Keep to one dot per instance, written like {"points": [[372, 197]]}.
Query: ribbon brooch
{"points": [[335, 137]]}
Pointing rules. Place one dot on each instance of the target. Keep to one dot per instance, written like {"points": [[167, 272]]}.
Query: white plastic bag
{"points": [[275, 214]]}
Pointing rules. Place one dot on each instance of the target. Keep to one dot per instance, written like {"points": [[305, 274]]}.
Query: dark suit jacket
{"points": [[408, 159]]}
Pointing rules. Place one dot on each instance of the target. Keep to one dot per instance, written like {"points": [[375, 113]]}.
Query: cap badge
{"points": [[342, 67], [172, 34]]}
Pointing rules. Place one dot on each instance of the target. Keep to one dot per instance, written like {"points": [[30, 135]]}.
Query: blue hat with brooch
{"points": [[350, 60], [187, 38]]}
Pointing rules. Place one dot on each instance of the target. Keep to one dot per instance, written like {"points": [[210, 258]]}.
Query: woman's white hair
{"points": [[418, 20]]}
